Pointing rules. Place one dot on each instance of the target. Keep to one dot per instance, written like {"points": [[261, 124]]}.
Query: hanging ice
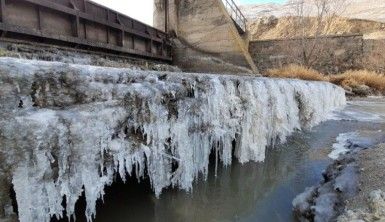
{"points": [[68, 127]]}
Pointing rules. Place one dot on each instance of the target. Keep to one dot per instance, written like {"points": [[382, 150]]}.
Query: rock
{"points": [[324, 202], [362, 90], [376, 211], [301, 204], [351, 216], [377, 204], [348, 91], [270, 21]]}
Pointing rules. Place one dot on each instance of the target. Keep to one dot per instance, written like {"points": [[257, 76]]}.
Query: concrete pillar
{"points": [[163, 7], [203, 26]]}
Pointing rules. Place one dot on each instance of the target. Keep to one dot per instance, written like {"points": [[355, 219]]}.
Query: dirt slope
{"points": [[355, 9], [285, 27], [275, 21]]}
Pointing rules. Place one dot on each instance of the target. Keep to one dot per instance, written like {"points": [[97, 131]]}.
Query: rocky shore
{"points": [[369, 203], [353, 185]]}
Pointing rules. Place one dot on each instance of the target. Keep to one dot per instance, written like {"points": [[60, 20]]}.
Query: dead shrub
{"points": [[296, 72], [353, 78]]}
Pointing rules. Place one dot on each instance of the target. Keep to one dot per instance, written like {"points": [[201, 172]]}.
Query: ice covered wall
{"points": [[65, 129]]}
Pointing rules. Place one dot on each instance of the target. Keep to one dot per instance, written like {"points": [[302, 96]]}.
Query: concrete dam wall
{"points": [[65, 129], [203, 28]]}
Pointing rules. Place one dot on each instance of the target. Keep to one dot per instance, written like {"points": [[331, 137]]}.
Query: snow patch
{"points": [[342, 145]]}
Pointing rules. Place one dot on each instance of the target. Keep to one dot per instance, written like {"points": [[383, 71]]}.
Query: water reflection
{"points": [[250, 192], [234, 193]]}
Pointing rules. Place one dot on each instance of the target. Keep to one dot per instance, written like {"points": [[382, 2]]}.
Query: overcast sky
{"points": [[142, 9]]}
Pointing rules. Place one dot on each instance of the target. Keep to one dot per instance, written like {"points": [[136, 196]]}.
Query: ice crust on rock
{"points": [[355, 141], [65, 129], [342, 146]]}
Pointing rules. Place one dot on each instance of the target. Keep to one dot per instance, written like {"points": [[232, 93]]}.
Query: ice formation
{"points": [[353, 141], [342, 146], [65, 129]]}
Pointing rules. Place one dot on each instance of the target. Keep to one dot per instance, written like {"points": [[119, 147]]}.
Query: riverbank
{"points": [[369, 203], [352, 186], [359, 83]]}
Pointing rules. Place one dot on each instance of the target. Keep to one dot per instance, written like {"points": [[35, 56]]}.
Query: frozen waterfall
{"points": [[65, 129]]}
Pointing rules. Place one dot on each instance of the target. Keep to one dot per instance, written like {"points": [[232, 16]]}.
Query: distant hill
{"points": [[355, 9], [275, 21]]}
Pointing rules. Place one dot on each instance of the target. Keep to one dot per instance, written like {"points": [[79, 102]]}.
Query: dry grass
{"points": [[287, 27], [348, 80], [354, 78], [296, 72]]}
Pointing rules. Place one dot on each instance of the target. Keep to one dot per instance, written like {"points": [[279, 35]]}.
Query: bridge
{"points": [[215, 28], [82, 24]]}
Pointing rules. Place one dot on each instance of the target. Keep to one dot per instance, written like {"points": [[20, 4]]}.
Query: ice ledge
{"points": [[64, 127]]}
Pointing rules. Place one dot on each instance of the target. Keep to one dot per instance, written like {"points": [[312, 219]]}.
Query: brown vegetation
{"points": [[285, 27], [354, 78], [349, 80], [296, 72]]}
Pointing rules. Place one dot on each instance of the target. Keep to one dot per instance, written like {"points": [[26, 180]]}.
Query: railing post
{"points": [[108, 28], [75, 21], [40, 27], [236, 14], [85, 22], [2, 10], [122, 32], [166, 16]]}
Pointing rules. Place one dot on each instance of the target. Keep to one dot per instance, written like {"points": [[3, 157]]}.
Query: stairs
{"points": [[236, 15]]}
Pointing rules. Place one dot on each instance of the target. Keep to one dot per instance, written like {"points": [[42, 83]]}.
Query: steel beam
{"points": [[88, 28]]}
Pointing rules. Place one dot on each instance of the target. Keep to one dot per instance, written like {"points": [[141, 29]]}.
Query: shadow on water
{"points": [[250, 192]]}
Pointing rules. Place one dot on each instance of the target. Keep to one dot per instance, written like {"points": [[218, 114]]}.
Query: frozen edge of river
{"points": [[70, 128], [327, 201]]}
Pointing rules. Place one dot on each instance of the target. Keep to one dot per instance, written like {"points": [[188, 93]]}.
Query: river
{"points": [[249, 192]]}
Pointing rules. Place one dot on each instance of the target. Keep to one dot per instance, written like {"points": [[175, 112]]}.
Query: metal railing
{"points": [[236, 14]]}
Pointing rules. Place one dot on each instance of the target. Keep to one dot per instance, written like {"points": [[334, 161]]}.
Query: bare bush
{"points": [[354, 78], [321, 14], [349, 80], [296, 72], [374, 55]]}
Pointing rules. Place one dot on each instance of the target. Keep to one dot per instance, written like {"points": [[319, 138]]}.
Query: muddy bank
{"points": [[353, 176], [369, 203]]}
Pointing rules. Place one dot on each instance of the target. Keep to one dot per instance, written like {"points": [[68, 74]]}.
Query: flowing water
{"points": [[249, 192]]}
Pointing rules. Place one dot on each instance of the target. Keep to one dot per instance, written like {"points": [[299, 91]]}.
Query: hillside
{"points": [[275, 21], [285, 27], [355, 9]]}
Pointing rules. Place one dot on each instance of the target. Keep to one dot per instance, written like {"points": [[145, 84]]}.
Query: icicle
{"points": [[116, 121]]}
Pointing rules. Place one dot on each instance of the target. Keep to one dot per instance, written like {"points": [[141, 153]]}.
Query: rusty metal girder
{"points": [[82, 23]]}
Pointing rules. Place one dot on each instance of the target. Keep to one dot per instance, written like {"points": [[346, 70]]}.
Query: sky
{"points": [[142, 9]]}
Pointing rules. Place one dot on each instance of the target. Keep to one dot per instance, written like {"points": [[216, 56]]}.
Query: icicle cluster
{"points": [[66, 129]]}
